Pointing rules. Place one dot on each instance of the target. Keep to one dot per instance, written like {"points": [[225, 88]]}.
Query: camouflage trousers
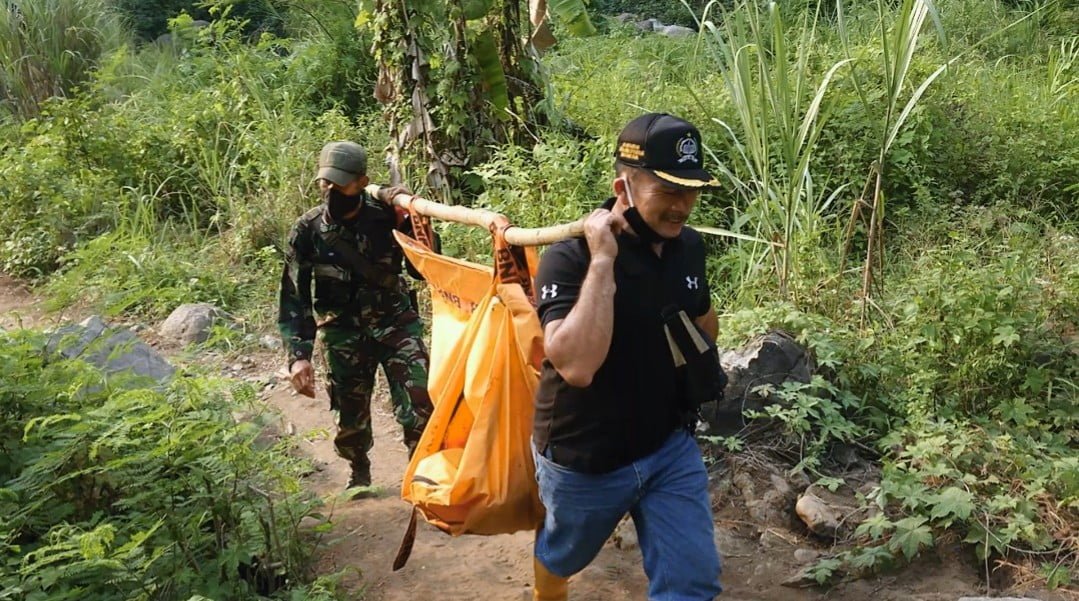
{"points": [[352, 355]]}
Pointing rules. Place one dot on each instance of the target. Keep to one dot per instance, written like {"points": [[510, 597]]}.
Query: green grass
{"points": [[47, 47]]}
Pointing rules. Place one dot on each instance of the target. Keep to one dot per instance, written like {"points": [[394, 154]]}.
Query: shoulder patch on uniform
{"points": [[312, 214]]}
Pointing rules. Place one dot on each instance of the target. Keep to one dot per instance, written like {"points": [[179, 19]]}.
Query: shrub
{"points": [[126, 273], [227, 147], [967, 386], [112, 490], [150, 18]]}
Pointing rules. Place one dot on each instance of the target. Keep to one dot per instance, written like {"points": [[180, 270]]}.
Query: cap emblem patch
{"points": [[687, 149]]}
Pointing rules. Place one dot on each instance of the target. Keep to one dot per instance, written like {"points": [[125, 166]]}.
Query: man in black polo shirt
{"points": [[624, 310]]}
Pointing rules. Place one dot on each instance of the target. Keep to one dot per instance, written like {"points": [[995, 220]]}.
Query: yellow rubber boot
{"points": [[548, 587]]}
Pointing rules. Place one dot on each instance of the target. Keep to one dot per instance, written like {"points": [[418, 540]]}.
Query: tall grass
{"points": [[898, 43], [899, 33], [47, 47], [779, 112], [1063, 72]]}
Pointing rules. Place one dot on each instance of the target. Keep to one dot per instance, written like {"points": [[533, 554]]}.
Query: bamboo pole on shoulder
{"points": [[517, 236]]}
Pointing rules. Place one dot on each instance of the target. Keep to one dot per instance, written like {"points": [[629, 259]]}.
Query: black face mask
{"points": [[340, 204], [635, 221], [642, 229]]}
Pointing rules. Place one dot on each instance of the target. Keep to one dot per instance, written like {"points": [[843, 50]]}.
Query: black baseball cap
{"points": [[667, 147]]}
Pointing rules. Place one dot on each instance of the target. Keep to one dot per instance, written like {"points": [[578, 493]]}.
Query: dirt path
{"points": [[18, 307], [367, 532], [499, 568], [441, 567]]}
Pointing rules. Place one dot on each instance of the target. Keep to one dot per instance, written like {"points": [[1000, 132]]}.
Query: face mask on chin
{"points": [[637, 222], [340, 205]]}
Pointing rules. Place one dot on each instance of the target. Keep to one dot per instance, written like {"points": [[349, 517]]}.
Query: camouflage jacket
{"points": [[319, 287]]}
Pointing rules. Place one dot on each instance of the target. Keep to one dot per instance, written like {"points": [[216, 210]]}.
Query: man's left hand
{"points": [[388, 193]]}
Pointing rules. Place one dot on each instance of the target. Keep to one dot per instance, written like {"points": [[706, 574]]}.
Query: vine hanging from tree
{"points": [[457, 77]]}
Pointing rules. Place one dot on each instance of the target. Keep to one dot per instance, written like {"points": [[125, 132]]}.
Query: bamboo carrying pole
{"points": [[517, 236], [525, 236]]}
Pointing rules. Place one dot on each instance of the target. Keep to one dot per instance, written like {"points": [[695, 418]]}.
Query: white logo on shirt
{"points": [[692, 283], [549, 292]]}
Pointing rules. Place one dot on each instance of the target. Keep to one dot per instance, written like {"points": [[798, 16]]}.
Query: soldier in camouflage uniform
{"points": [[357, 306]]}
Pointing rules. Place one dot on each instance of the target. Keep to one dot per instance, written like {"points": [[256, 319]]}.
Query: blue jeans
{"points": [[666, 493]]}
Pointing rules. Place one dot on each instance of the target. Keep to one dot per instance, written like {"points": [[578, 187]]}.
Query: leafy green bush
{"points": [[967, 385], [113, 490], [558, 180], [58, 188], [228, 146], [150, 18], [331, 60]]}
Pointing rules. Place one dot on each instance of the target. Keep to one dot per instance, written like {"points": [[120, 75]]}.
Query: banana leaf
{"points": [[485, 50], [573, 15], [475, 9]]}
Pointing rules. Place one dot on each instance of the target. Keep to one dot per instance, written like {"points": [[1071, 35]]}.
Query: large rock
{"points": [[821, 518], [766, 495], [648, 25], [829, 514], [269, 342], [676, 31], [111, 350], [191, 323], [773, 358]]}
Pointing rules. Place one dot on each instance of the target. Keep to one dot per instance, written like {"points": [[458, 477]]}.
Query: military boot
{"points": [[412, 440], [360, 478]]}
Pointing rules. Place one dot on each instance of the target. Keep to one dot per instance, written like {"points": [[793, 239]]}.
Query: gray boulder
{"points": [[676, 31], [191, 323], [773, 358], [627, 18], [112, 350], [648, 25]]}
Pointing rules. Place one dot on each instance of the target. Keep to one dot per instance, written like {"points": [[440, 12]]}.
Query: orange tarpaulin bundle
{"points": [[472, 472]]}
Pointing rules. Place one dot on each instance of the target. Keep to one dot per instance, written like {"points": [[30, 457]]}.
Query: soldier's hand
{"points": [[388, 193], [600, 229], [302, 376]]}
